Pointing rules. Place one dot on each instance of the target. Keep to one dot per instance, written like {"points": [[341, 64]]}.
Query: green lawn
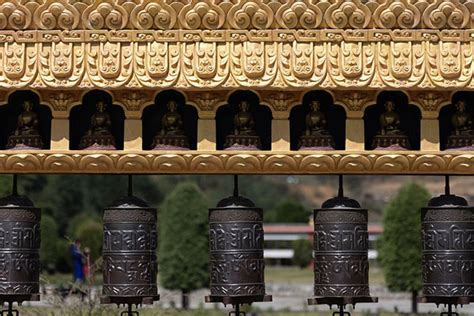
{"points": [[294, 275]]}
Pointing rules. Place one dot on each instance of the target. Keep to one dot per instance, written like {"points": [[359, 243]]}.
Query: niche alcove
{"points": [[154, 114], [409, 118], [81, 116], [10, 112], [334, 117], [447, 121], [262, 116]]}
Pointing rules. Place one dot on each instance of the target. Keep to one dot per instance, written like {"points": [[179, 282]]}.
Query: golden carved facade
{"points": [[133, 49]]}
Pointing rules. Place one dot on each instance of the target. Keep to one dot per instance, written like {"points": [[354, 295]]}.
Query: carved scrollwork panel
{"points": [[157, 64], [109, 64], [237, 15], [205, 64], [18, 64], [351, 64], [253, 63], [449, 63], [57, 15], [150, 14], [61, 64], [302, 64], [401, 64]]}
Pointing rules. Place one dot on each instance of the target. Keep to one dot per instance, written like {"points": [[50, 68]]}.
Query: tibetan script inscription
{"points": [[341, 266], [448, 251], [19, 251], [129, 252], [236, 252]]}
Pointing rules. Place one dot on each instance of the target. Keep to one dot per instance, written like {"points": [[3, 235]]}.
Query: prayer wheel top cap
{"points": [[447, 200], [129, 202], [235, 201], [16, 201], [341, 202]]}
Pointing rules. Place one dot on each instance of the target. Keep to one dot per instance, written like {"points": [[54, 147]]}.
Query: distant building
{"points": [[279, 240]]}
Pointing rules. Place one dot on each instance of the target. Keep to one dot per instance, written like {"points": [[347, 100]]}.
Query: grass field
{"points": [[287, 275]]}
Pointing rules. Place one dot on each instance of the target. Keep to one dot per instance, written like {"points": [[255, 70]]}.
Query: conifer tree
{"points": [[400, 244], [183, 244]]}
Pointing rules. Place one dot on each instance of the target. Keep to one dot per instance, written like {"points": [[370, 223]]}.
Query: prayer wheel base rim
{"points": [[7, 298], [136, 300], [456, 300], [244, 299], [341, 300]]}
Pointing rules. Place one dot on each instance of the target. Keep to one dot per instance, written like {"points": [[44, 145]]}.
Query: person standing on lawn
{"points": [[77, 262]]}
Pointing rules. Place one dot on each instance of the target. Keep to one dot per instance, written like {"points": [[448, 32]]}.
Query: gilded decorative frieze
{"points": [[239, 14], [220, 59], [228, 162]]}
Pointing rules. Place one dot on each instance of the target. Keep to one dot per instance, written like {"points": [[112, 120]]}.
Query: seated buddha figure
{"points": [[462, 120], [244, 134], [27, 130], [244, 123], [390, 135], [172, 123], [171, 135], [99, 135], [316, 135], [463, 132]]}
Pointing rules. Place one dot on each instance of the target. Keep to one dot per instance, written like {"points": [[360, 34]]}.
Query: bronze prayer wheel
{"points": [[236, 252], [341, 265], [129, 252], [19, 249], [448, 250]]}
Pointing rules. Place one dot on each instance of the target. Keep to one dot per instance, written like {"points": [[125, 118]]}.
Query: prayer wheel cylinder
{"points": [[448, 250], [341, 266], [236, 252], [129, 252], [19, 249]]}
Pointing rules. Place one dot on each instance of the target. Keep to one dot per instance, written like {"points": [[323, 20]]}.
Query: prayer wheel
{"points": [[129, 252], [236, 252], [448, 250], [341, 265], [19, 249]]}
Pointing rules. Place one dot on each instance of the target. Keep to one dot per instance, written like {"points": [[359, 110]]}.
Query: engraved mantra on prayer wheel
{"points": [[341, 265], [129, 252], [341, 251], [448, 250], [236, 252], [19, 249]]}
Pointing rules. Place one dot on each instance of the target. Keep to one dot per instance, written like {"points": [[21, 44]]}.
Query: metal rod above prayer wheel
{"points": [[448, 251], [341, 265], [129, 253]]}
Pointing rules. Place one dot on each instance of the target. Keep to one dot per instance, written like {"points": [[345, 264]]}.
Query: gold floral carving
{"points": [[134, 100], [431, 101], [238, 14], [228, 162], [355, 101], [61, 101], [290, 59], [208, 101]]}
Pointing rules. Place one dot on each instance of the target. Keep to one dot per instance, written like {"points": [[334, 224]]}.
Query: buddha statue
{"points": [[244, 133], [99, 135], [316, 135], [463, 132], [26, 134], [390, 135], [171, 135]]}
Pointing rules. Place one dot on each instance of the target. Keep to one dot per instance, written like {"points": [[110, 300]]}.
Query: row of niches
{"points": [[241, 124]]}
